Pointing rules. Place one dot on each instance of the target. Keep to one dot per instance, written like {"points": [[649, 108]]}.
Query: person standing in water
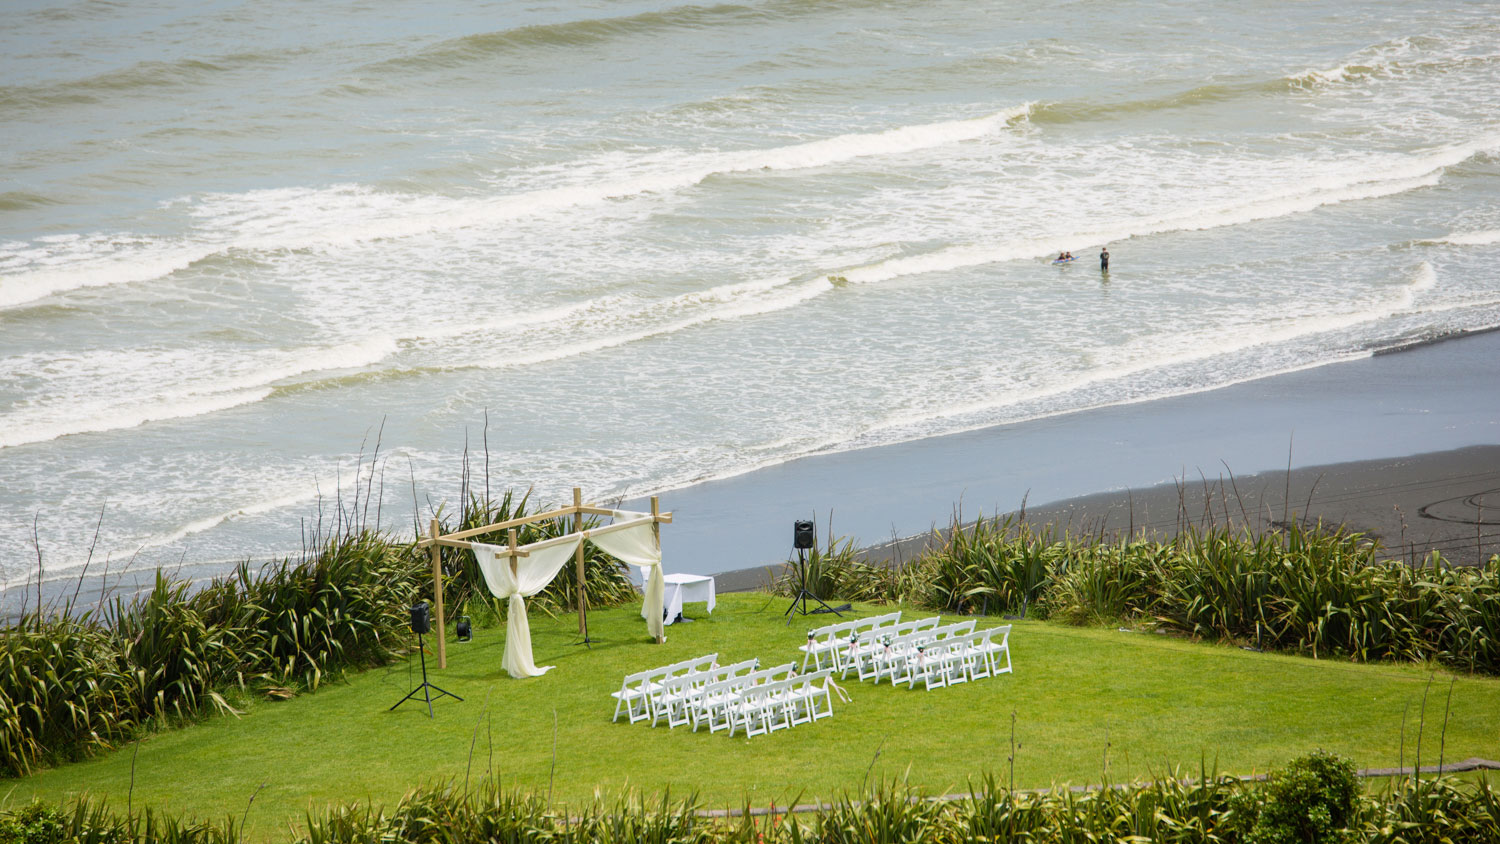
{"points": [[1104, 260]]}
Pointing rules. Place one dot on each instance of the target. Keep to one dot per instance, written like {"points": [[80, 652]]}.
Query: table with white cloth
{"points": [[685, 589]]}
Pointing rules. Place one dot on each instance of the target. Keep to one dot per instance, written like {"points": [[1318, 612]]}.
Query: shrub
{"points": [[1313, 800], [34, 824]]}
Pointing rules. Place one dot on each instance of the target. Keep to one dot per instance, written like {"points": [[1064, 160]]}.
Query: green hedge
{"points": [[1315, 800], [1314, 591]]}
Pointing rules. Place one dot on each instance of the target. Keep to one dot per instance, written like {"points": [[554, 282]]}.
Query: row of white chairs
{"points": [[938, 657], [867, 654], [680, 699], [764, 701], [636, 692], [741, 696], [823, 643]]}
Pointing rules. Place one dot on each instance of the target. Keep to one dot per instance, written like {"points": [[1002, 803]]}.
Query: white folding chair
{"points": [[780, 703], [822, 643], [720, 702], [869, 653], [632, 696], [993, 651], [662, 704], [749, 712], [955, 654], [809, 689], [931, 670], [696, 705], [976, 667]]}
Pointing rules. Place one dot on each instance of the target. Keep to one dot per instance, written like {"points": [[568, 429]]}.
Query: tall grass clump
{"points": [[1312, 590], [73, 682], [1314, 799], [62, 687], [996, 565]]}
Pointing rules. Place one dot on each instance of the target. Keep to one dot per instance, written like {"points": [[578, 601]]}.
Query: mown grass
{"points": [[1090, 704]]}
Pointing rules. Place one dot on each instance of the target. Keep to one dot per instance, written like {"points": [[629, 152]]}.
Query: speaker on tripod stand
{"points": [[804, 537], [420, 624]]}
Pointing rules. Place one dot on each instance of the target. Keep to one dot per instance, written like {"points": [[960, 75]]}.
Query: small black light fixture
{"points": [[464, 629]]}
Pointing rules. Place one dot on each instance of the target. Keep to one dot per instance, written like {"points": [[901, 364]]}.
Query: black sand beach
{"points": [[1404, 446]]}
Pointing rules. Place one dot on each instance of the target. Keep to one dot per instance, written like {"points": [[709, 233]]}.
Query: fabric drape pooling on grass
{"points": [[533, 573], [638, 546]]}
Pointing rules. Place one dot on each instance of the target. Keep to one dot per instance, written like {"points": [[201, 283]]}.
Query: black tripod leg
{"points": [[822, 604], [441, 691], [409, 695]]}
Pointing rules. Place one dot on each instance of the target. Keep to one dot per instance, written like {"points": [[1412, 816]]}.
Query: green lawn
{"points": [[1150, 701]]}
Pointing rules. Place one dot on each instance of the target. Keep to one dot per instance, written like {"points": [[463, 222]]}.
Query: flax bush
{"points": [[75, 682], [1322, 592], [1315, 799]]}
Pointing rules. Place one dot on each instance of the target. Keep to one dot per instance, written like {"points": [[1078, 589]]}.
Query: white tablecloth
{"points": [[685, 589]]}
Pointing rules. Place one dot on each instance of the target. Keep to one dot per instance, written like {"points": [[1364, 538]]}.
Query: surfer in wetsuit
{"points": [[1104, 260]]}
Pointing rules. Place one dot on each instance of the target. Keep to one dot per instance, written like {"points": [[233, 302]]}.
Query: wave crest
{"points": [[278, 219]]}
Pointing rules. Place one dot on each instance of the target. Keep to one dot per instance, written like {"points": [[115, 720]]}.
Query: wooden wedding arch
{"points": [[435, 541]]}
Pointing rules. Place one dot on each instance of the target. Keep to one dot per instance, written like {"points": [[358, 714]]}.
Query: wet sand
{"points": [[1403, 446]]}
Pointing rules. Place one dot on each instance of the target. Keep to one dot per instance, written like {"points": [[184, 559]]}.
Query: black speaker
{"points": [[419, 619], [802, 534]]}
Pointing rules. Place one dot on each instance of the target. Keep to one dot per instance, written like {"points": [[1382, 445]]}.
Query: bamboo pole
{"points": [[656, 533], [583, 595], [437, 594], [525, 550], [524, 520], [514, 575]]}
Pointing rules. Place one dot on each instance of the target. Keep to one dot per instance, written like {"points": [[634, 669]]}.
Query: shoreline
{"points": [[1376, 430], [1402, 414], [1411, 505]]}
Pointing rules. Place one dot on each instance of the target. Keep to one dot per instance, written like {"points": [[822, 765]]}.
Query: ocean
{"points": [[255, 256]]}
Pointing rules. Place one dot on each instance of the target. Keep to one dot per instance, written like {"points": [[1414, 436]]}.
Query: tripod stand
{"points": [[424, 688], [802, 593]]}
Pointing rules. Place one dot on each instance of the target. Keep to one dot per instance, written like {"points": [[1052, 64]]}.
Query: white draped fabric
{"points": [[533, 573], [638, 546]]}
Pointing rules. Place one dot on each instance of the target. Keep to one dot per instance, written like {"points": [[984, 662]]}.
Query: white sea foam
{"points": [[1488, 237], [1328, 76], [1387, 178], [298, 495], [294, 218], [733, 301], [90, 417], [115, 390], [1373, 60], [95, 261], [1423, 278]]}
